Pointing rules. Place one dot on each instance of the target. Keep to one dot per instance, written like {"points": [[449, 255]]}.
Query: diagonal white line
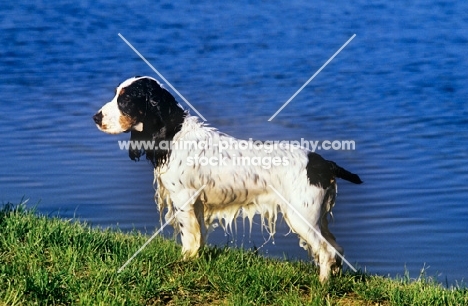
{"points": [[160, 230], [312, 77], [161, 76], [310, 225]]}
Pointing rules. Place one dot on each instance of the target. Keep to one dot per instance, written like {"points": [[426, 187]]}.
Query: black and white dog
{"points": [[203, 175]]}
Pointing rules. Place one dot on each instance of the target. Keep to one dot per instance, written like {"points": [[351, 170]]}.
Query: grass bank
{"points": [[50, 261]]}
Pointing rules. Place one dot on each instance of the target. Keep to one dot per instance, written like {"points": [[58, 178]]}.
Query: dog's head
{"points": [[147, 110]]}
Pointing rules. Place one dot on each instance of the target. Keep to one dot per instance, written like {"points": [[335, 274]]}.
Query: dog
{"points": [[216, 178]]}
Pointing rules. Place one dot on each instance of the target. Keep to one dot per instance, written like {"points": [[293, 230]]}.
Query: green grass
{"points": [[51, 261]]}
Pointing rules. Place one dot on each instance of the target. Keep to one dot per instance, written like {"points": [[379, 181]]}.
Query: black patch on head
{"points": [[322, 172], [147, 102]]}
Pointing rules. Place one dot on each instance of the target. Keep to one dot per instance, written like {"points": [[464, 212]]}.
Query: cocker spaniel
{"points": [[202, 175]]}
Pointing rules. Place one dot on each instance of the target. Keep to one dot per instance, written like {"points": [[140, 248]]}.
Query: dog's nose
{"points": [[98, 118]]}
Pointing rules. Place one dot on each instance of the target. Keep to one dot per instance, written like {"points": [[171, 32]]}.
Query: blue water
{"points": [[398, 90]]}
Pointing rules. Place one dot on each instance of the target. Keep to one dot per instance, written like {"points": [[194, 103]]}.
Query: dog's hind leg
{"points": [[327, 205], [336, 266], [307, 227]]}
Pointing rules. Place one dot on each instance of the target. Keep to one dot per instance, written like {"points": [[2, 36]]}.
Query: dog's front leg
{"points": [[187, 222]]}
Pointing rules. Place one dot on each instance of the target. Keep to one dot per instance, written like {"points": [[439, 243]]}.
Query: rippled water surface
{"points": [[398, 90]]}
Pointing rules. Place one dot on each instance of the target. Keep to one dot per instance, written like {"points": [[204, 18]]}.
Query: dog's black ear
{"points": [[149, 142]]}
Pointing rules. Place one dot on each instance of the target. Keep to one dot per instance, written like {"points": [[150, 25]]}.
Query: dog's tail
{"points": [[344, 174]]}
